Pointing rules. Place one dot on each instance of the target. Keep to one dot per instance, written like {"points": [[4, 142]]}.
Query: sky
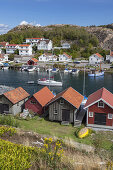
{"points": [[47, 12]]}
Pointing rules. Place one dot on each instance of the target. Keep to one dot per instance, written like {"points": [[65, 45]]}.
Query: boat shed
{"points": [[12, 102], [100, 109], [32, 61], [64, 106], [37, 103]]}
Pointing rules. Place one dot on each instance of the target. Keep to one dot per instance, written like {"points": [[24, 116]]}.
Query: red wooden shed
{"points": [[100, 109], [37, 102], [32, 61]]}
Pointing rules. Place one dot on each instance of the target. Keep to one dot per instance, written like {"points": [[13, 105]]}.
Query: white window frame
{"points": [[99, 105], [109, 114], [91, 114], [55, 112]]}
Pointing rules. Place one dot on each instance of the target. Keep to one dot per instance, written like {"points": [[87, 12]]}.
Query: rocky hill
{"points": [[103, 33]]}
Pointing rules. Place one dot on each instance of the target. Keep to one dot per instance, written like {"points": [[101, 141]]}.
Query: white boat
{"points": [[66, 70], [49, 69], [75, 71], [94, 73], [5, 67], [31, 68], [49, 82], [30, 82]]}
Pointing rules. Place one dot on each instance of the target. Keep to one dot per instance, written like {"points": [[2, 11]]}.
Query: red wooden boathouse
{"points": [[100, 109]]}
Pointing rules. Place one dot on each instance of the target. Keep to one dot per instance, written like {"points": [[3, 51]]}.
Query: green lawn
{"points": [[49, 128]]}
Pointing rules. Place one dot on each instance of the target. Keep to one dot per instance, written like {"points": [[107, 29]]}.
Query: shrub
{"points": [[8, 120], [7, 130]]}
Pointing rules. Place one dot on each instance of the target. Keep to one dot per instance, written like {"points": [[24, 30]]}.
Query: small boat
{"points": [[66, 70], [94, 73], [49, 69], [75, 71], [77, 62], [54, 70], [46, 82], [30, 82], [31, 68]]}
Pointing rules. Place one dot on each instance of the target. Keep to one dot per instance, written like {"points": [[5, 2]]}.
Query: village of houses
{"points": [[68, 106]]}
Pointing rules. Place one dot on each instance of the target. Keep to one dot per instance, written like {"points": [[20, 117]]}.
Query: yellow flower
{"points": [[46, 146]]}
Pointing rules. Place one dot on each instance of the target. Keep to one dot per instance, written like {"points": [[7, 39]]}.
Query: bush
{"points": [[8, 120]]}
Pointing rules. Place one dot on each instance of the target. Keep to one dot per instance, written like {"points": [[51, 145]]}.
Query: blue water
{"points": [[17, 78]]}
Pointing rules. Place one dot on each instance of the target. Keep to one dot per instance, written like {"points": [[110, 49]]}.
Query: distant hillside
{"points": [[84, 40]]}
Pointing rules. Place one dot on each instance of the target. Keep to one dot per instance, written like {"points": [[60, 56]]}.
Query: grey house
{"points": [[64, 106], [13, 101]]}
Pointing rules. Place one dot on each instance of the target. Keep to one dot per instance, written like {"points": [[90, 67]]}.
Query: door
{"points": [[5, 108], [65, 115], [100, 119], [1, 108]]}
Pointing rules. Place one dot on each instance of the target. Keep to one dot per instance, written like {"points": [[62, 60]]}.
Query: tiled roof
{"points": [[103, 94], [24, 45], [67, 55], [34, 59], [70, 95], [16, 95], [12, 44], [3, 43], [2, 56], [43, 96], [34, 38], [99, 55]]}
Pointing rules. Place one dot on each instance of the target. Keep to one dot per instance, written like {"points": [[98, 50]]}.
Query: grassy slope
{"points": [[55, 129]]}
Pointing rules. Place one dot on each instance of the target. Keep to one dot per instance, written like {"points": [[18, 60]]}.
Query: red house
{"points": [[32, 61], [37, 102], [100, 109]]}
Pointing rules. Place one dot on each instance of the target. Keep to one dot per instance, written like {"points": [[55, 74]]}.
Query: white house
{"points": [[110, 57], [47, 57], [10, 48], [96, 59], [65, 45], [3, 58], [3, 44], [25, 49], [65, 57], [44, 44], [33, 41]]}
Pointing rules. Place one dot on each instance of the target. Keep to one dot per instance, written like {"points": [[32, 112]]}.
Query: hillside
{"points": [[84, 40]]}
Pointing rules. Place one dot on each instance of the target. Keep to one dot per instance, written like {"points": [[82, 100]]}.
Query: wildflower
{"points": [[46, 146]]}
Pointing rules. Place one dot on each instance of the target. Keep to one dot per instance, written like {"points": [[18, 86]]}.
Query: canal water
{"points": [[17, 78]]}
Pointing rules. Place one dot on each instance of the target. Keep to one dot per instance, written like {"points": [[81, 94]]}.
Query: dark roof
{"points": [[101, 94], [16, 95], [70, 95], [43, 96]]}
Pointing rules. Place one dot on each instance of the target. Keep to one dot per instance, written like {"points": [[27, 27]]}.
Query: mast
{"points": [[84, 82]]}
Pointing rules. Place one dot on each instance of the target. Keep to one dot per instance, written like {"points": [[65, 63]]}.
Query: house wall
{"points": [[95, 109], [36, 108], [14, 108], [94, 59], [58, 117]]}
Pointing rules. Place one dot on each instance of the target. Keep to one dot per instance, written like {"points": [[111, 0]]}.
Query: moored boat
{"points": [[94, 73], [75, 71], [49, 82]]}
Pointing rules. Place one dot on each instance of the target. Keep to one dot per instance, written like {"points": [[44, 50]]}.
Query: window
{"points": [[101, 104], [17, 104], [90, 114], [61, 101], [33, 102], [110, 116], [55, 111]]}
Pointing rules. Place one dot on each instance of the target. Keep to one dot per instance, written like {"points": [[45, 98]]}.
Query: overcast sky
{"points": [[46, 12]]}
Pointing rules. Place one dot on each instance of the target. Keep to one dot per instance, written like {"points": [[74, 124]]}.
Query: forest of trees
{"points": [[82, 43]]}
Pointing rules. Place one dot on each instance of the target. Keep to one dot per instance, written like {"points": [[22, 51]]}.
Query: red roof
{"points": [[101, 94], [3, 43], [16, 95], [34, 38], [70, 95], [67, 55], [24, 45], [99, 55], [12, 45], [43, 96], [35, 60]]}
